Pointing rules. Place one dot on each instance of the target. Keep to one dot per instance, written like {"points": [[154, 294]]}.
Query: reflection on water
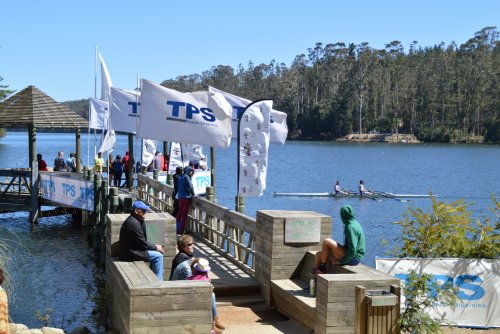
{"points": [[51, 269]]}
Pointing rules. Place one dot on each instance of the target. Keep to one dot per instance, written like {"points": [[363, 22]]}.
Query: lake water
{"points": [[53, 268]]}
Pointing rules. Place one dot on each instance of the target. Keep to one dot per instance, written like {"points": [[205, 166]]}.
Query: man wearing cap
{"points": [[134, 245]]}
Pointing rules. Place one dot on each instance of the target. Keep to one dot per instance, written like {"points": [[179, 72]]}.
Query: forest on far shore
{"points": [[439, 93]]}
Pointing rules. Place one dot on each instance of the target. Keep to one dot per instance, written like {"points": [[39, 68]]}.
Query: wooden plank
{"points": [[292, 300], [360, 309]]}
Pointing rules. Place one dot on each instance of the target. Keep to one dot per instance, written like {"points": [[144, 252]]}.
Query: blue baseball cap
{"points": [[140, 205]]}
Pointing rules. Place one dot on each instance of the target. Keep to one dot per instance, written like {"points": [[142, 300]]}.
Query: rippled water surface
{"points": [[55, 269]]}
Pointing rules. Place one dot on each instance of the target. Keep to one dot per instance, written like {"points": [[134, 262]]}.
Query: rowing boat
{"points": [[353, 195]]}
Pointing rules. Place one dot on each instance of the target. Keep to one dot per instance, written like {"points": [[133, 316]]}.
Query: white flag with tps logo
{"points": [[123, 110], [192, 118]]}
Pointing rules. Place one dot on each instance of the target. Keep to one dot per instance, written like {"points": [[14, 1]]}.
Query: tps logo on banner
{"points": [[189, 111]]}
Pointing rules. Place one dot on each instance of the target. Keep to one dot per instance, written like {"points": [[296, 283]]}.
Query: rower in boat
{"points": [[339, 190], [362, 189]]}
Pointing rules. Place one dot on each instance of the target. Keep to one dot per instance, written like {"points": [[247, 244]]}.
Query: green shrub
{"points": [[448, 231]]}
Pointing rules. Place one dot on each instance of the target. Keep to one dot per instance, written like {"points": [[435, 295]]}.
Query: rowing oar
{"points": [[354, 193], [386, 195]]}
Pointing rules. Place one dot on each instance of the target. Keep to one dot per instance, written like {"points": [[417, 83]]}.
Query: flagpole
{"points": [[137, 89]]}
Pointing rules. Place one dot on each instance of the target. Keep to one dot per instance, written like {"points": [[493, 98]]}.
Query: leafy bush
{"points": [[448, 231]]}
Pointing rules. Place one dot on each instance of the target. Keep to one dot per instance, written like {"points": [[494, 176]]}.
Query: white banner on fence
{"points": [[201, 180], [65, 190], [477, 282]]}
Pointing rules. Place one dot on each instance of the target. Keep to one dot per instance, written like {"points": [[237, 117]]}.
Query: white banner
{"points": [[253, 148], [193, 118], [189, 152], [108, 142], [278, 127], [148, 152], [98, 114], [65, 190], [105, 80], [201, 180], [123, 110], [477, 282]]}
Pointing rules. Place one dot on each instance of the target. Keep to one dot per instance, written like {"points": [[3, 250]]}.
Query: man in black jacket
{"points": [[134, 245]]}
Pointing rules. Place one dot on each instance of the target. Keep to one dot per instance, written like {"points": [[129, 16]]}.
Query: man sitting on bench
{"points": [[353, 250], [134, 246]]}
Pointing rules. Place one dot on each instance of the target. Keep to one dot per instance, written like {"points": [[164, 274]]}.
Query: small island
{"points": [[380, 138]]}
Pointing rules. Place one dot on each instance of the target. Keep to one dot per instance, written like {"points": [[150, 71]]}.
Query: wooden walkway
{"points": [[227, 278]]}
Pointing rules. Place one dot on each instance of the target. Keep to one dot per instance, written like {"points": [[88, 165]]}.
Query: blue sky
{"points": [[51, 44]]}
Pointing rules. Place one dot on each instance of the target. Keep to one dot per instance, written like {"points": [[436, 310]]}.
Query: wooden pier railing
{"points": [[228, 232]]}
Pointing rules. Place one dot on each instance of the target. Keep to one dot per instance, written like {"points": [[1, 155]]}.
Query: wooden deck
{"points": [[226, 277]]}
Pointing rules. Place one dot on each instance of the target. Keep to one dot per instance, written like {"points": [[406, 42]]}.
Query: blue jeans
{"points": [[214, 308], [156, 263]]}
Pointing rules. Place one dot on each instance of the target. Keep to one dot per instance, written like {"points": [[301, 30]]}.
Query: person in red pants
{"points": [[185, 192]]}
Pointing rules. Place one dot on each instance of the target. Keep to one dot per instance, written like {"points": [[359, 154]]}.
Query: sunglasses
{"points": [[191, 244]]}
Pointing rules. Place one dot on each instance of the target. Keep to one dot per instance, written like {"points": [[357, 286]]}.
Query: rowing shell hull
{"points": [[328, 194]]}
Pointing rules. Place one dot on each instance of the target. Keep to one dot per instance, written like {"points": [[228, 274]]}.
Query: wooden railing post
{"points": [[360, 310]]}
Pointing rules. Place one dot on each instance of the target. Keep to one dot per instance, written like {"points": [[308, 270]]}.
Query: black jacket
{"points": [[133, 242], [178, 259]]}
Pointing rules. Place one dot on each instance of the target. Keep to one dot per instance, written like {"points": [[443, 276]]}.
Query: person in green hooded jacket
{"points": [[353, 250]]}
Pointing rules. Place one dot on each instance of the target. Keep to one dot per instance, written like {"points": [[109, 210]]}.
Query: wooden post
{"points": [[212, 167], [210, 194], [32, 147], [35, 184], [239, 204], [396, 310], [113, 199], [78, 151], [360, 324]]}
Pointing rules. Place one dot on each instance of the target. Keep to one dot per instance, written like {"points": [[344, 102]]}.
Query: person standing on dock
{"points": [[353, 250], [60, 163], [134, 245], [42, 165], [117, 170], [99, 163], [126, 163], [185, 193], [178, 173]]}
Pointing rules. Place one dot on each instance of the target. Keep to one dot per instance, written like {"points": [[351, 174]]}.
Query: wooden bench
{"points": [[140, 303], [333, 309]]}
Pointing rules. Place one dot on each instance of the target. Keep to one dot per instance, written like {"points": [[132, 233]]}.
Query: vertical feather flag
{"points": [[253, 146], [278, 128]]}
